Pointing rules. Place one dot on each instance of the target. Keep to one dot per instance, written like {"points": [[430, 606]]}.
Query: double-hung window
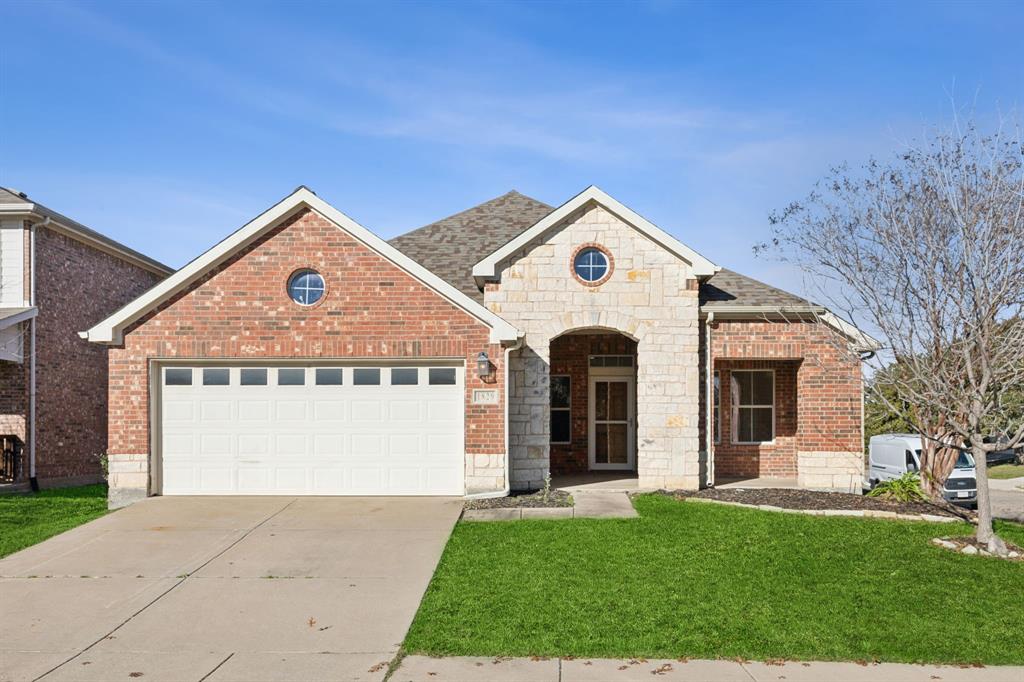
{"points": [[752, 394]]}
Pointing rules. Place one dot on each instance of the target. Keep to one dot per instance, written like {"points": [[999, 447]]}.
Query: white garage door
{"points": [[325, 430]]}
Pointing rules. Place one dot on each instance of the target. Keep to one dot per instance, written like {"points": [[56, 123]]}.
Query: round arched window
{"points": [[306, 287], [590, 264]]}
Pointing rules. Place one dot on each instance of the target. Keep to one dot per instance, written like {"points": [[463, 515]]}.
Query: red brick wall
{"points": [[372, 309], [818, 393], [76, 287], [570, 355]]}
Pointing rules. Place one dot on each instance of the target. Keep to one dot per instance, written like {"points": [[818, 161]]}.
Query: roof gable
{"points": [[111, 329], [450, 247], [487, 268]]}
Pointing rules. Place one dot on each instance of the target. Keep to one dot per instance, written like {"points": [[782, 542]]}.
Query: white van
{"points": [[891, 455]]}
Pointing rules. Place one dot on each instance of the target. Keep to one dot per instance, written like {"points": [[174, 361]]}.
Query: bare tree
{"points": [[926, 252]]}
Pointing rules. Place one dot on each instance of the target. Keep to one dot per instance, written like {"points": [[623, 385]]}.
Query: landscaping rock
{"points": [[969, 549]]}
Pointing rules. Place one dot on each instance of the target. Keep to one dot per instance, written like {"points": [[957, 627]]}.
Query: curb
{"points": [[861, 513]]}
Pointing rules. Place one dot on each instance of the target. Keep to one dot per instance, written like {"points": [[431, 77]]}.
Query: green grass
{"points": [[711, 581], [33, 517], [1006, 471]]}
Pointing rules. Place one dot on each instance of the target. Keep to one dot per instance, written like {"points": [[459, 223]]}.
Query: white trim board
{"points": [[110, 330], [702, 267]]}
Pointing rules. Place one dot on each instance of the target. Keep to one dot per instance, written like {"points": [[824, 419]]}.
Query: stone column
{"points": [[529, 420]]}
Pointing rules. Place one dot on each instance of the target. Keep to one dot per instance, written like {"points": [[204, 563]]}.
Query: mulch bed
{"points": [[809, 499], [555, 498]]}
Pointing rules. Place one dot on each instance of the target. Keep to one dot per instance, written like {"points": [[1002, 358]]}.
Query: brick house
{"points": [[305, 355], [56, 278]]}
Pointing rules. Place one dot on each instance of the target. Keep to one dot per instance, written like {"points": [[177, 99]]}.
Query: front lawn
{"points": [[33, 517], [1006, 471], [710, 581]]}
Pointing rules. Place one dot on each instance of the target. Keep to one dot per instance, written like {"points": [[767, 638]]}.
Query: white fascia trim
{"points": [[14, 319], [702, 267], [861, 341], [110, 330], [73, 230]]}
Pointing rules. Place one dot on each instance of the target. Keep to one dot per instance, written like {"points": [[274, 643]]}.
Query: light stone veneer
{"points": [[650, 297], [127, 479], [484, 473], [843, 471]]}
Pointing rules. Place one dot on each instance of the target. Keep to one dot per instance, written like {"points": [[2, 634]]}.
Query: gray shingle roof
{"points": [[452, 246], [731, 289], [8, 196]]}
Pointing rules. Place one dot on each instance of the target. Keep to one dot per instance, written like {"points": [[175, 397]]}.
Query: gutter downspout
{"points": [[709, 405], [33, 482], [508, 455]]}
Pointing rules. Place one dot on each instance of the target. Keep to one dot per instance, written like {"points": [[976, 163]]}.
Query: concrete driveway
{"points": [[215, 589], [1007, 498]]}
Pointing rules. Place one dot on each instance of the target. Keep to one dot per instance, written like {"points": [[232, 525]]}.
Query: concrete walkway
{"points": [[461, 669], [221, 589]]}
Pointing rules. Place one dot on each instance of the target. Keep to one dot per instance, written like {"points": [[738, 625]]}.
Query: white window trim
{"points": [[716, 410], [735, 408], [563, 409]]}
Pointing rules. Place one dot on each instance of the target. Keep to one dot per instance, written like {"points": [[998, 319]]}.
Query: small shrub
{"points": [[906, 488]]}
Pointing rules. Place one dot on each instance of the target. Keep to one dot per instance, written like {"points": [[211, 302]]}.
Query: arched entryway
{"points": [[593, 402]]}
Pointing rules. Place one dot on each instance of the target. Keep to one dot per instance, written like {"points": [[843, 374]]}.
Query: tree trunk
{"points": [[936, 465], [986, 534]]}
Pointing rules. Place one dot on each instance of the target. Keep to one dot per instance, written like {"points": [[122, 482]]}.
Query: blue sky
{"points": [[167, 126]]}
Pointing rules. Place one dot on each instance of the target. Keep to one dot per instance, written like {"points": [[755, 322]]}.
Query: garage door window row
{"points": [[319, 376]]}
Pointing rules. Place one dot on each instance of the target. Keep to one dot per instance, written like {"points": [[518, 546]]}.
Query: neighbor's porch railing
{"points": [[10, 459]]}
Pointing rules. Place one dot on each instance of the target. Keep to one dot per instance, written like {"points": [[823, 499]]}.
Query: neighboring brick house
{"points": [[305, 355], [57, 277]]}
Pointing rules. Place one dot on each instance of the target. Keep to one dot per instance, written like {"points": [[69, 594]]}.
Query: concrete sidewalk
{"points": [[461, 669]]}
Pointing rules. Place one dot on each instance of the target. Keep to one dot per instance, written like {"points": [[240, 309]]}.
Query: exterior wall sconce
{"points": [[483, 365]]}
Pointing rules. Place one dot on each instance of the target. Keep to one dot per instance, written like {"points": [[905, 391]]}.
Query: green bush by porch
{"points": [[711, 581]]}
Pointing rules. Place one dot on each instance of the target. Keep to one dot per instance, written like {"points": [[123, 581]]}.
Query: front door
{"points": [[612, 416]]}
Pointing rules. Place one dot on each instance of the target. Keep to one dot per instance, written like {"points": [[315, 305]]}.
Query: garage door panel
{"points": [[403, 445], [367, 410], [329, 438], [254, 410], [291, 444], [215, 479], [329, 411], [290, 479], [215, 410], [442, 444], [328, 446], [367, 481], [291, 410], [405, 410], [216, 445], [444, 411], [253, 479], [367, 445], [179, 411], [179, 444], [328, 481], [253, 444], [445, 480]]}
